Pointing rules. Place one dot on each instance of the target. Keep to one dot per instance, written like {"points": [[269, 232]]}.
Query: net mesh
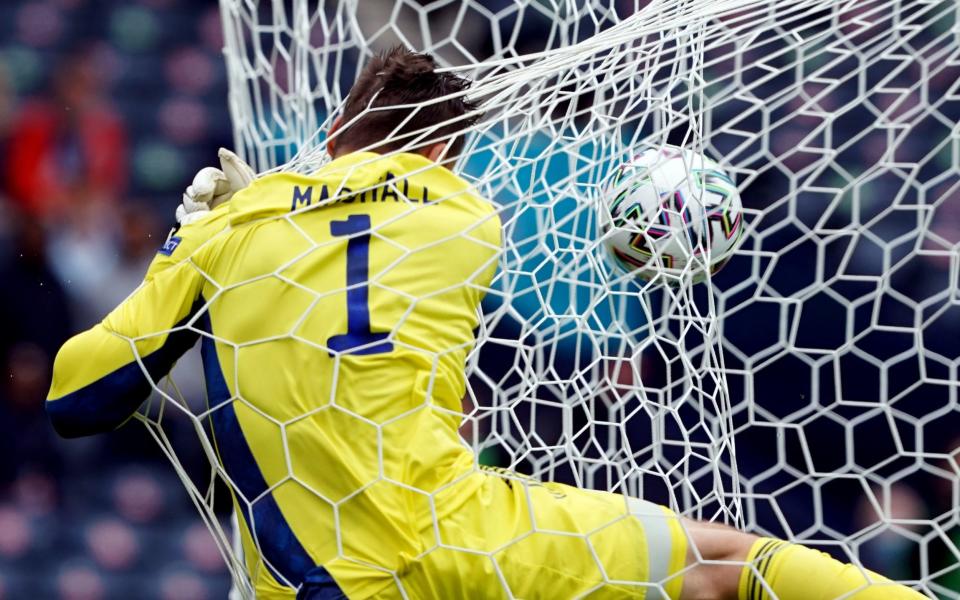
{"points": [[809, 389]]}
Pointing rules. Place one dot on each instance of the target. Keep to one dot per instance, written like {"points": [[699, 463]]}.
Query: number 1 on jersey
{"points": [[358, 339]]}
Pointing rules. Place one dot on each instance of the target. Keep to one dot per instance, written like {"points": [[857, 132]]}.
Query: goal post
{"points": [[808, 390]]}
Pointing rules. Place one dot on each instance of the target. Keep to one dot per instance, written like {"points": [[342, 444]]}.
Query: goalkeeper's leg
{"points": [[750, 568]]}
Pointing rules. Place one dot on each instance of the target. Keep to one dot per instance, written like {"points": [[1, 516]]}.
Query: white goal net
{"points": [[809, 389]]}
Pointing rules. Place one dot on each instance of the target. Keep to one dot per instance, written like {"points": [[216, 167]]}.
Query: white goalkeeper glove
{"points": [[212, 187]]}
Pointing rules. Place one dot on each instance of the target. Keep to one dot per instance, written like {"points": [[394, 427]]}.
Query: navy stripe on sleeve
{"points": [[109, 401]]}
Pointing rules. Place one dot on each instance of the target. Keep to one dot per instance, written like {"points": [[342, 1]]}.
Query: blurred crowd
{"points": [[107, 107]]}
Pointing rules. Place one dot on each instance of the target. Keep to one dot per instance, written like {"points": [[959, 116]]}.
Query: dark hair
{"points": [[401, 77]]}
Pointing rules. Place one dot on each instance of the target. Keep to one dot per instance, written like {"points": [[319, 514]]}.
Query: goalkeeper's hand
{"points": [[212, 187]]}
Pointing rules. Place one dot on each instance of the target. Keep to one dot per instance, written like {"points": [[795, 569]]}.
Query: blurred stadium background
{"points": [[107, 108]]}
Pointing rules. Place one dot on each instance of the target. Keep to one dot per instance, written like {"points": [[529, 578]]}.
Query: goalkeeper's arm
{"points": [[101, 376]]}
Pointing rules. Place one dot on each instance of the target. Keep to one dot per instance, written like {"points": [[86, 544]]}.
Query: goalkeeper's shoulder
{"points": [[184, 242]]}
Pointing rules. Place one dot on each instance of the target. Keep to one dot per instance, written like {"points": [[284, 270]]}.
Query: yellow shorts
{"points": [[518, 538]]}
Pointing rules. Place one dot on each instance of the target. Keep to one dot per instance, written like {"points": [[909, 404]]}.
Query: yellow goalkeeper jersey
{"points": [[335, 313]]}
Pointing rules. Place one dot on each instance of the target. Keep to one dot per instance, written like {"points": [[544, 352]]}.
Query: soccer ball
{"points": [[671, 212]]}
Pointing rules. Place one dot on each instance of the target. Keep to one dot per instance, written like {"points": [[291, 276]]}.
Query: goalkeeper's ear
{"points": [[332, 137], [435, 152]]}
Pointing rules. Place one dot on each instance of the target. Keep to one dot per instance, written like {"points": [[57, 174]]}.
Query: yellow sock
{"points": [[795, 572]]}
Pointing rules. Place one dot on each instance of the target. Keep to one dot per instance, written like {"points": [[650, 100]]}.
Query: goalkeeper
{"points": [[335, 313]]}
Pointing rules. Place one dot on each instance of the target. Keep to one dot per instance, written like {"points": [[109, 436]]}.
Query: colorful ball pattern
{"points": [[672, 213]]}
